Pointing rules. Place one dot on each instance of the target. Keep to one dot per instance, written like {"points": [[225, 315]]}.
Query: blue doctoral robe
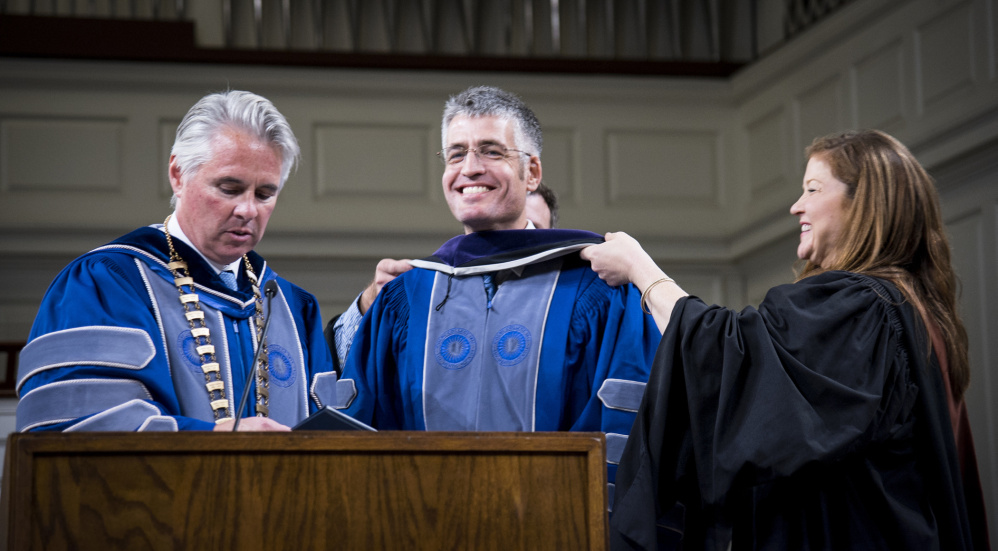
{"points": [[555, 349], [110, 348]]}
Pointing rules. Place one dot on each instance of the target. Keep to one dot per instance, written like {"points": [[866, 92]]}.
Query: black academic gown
{"points": [[818, 421]]}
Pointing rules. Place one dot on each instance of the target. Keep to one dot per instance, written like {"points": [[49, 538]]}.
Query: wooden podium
{"points": [[305, 490]]}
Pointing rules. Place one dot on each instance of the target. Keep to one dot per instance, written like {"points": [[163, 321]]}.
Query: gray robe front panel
{"points": [[288, 384], [480, 367]]}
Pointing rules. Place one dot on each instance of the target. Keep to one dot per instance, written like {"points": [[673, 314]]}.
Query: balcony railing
{"points": [[693, 37]]}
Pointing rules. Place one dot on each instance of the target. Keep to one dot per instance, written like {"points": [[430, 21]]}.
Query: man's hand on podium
{"points": [[252, 423]]}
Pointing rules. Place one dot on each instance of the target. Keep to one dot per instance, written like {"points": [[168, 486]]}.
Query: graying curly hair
{"points": [[488, 101]]}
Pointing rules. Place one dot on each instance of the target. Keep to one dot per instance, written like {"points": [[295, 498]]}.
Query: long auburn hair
{"points": [[894, 231]]}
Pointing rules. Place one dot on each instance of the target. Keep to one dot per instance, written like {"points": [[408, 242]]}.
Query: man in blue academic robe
{"points": [[505, 328], [159, 329]]}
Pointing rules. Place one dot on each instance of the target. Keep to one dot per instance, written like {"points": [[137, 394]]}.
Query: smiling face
{"points": [[488, 195], [224, 206], [821, 210]]}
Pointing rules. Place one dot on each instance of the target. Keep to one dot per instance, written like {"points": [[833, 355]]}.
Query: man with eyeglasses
{"points": [[504, 328], [541, 211]]}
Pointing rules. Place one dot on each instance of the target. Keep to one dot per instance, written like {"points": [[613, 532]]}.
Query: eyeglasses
{"points": [[486, 154]]}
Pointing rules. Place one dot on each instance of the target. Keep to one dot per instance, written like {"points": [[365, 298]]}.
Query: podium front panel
{"points": [[305, 490]]}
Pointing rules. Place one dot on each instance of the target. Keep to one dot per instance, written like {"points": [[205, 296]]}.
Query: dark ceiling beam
{"points": [[174, 41]]}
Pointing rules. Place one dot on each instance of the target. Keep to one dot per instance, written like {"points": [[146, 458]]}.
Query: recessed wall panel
{"points": [[372, 160], [559, 161], [767, 153], [945, 55], [879, 90], [40, 155], [819, 113], [673, 168], [970, 261], [992, 32], [167, 134]]}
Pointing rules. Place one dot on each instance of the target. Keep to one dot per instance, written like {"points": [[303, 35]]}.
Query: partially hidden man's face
{"points": [[538, 212], [486, 195], [224, 206]]}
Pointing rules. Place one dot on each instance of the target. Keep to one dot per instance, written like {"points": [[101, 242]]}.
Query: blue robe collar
{"points": [[151, 240], [490, 251]]}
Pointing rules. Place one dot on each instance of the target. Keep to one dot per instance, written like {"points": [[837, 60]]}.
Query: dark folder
{"points": [[329, 418]]}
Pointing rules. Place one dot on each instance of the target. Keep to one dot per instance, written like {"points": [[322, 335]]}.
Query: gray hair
{"points": [[244, 111], [488, 101]]}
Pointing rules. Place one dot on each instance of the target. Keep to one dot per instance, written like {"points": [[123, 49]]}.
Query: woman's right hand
{"points": [[621, 260]]}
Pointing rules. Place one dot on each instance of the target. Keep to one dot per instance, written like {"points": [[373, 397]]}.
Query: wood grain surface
{"points": [[389, 490]]}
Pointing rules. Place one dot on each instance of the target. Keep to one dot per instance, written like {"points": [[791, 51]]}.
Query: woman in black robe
{"points": [[825, 418]]}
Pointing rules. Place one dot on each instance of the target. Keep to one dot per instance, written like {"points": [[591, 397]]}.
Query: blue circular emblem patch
{"points": [[282, 369], [511, 345], [455, 348], [188, 350]]}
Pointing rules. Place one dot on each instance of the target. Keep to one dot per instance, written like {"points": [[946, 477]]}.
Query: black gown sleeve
{"points": [[798, 425]]}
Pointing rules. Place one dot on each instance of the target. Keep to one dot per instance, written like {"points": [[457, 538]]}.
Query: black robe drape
{"points": [[818, 421]]}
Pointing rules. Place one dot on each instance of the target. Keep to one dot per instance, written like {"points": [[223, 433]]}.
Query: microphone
{"points": [[270, 290]]}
